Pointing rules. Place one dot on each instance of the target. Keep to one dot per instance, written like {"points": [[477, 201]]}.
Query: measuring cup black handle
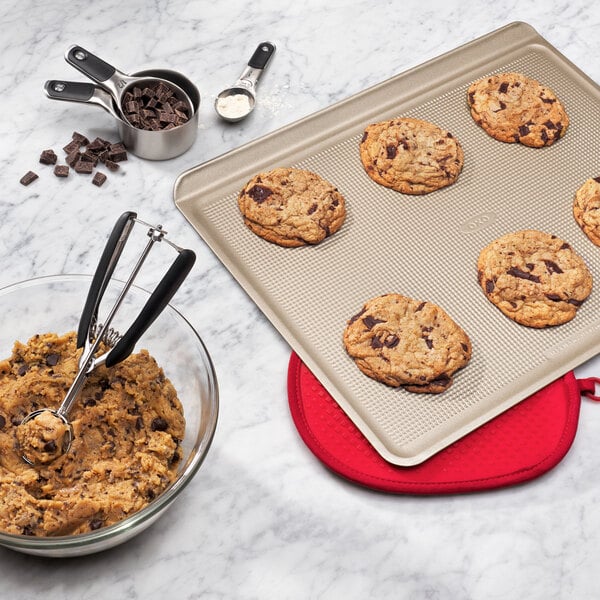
{"points": [[158, 300], [261, 55], [89, 64], [73, 91], [106, 267]]}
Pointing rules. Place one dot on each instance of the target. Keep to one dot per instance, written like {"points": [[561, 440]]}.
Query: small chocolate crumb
{"points": [[2, 422]]}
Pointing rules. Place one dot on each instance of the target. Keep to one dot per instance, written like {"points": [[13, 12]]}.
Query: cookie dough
{"points": [[410, 155], [512, 107], [291, 207], [405, 342], [534, 278], [43, 437], [586, 209], [128, 425]]}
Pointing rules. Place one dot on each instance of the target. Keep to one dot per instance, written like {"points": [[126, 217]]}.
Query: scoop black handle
{"points": [[106, 267], [89, 64], [261, 55], [158, 300]]}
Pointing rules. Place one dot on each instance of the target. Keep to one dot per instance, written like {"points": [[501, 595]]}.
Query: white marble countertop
{"points": [[263, 518]]}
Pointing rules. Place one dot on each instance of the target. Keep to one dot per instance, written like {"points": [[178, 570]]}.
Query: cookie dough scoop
{"points": [[45, 434]]}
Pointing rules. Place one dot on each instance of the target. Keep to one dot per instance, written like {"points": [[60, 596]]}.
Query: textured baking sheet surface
{"points": [[425, 247]]}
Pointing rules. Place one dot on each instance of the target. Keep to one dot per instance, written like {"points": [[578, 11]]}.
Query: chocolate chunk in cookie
{"points": [[586, 209], [534, 278], [512, 107], [404, 342], [291, 207], [411, 156]]}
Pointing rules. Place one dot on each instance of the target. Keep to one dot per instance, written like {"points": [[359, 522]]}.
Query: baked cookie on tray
{"points": [[512, 107], [400, 341], [534, 278], [410, 155], [291, 207], [586, 209]]}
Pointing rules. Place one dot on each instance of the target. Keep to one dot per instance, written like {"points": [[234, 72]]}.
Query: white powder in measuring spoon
{"points": [[233, 106]]}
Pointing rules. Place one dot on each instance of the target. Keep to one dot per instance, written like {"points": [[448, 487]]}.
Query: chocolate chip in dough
{"points": [[159, 424]]}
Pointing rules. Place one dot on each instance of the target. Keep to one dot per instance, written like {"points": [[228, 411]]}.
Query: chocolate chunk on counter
{"points": [[80, 138], [99, 179], [28, 178], [73, 158], [110, 165], [117, 153], [61, 170], [71, 146], [48, 157], [84, 166]]}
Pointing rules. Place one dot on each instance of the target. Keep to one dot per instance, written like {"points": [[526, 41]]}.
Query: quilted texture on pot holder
{"points": [[522, 443]]}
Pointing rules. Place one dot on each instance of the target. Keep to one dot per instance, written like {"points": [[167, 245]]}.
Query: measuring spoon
{"points": [[238, 101]]}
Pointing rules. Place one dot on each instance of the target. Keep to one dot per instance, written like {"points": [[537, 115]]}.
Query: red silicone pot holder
{"points": [[522, 443]]}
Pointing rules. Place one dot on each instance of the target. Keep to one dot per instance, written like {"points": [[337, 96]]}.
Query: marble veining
{"points": [[263, 519]]}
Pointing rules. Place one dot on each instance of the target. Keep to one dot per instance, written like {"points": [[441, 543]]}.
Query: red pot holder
{"points": [[522, 443]]}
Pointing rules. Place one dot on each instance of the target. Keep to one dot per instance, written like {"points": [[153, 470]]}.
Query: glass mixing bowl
{"points": [[54, 304]]}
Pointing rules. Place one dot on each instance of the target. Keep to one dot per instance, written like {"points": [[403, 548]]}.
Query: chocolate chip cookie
{"points": [[411, 156], [534, 278], [291, 207], [512, 107], [586, 209], [405, 342]]}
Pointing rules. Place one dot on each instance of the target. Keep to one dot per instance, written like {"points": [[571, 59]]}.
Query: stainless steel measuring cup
{"points": [[114, 81], [238, 101], [153, 145]]}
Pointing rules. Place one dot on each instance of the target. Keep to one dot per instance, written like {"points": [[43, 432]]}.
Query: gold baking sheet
{"points": [[425, 247]]}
